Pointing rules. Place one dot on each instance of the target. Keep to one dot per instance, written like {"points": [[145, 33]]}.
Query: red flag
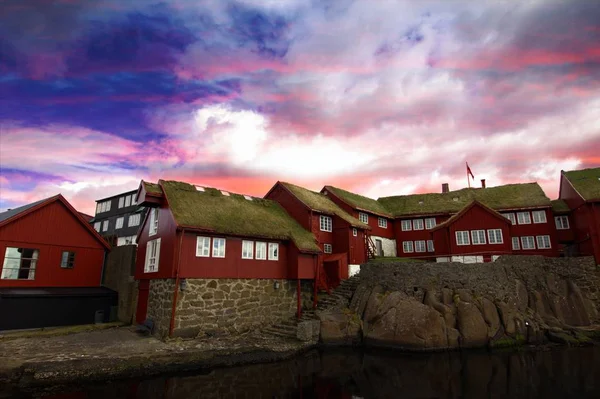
{"points": [[469, 171]]}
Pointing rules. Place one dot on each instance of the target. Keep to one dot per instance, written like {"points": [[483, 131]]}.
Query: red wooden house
{"points": [[213, 260], [564, 231], [580, 190], [382, 240], [50, 251], [340, 236]]}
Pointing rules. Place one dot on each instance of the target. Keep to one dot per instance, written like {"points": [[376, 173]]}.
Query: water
{"points": [[345, 374]]}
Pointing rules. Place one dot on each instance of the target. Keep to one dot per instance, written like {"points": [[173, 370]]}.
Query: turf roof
{"points": [[152, 188], [320, 203], [559, 205], [234, 214], [359, 201], [586, 182], [509, 196]]}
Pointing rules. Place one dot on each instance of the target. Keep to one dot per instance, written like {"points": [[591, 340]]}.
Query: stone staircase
{"points": [[339, 298]]}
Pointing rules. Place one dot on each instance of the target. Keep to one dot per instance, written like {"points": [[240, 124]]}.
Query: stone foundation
{"points": [[160, 304]]}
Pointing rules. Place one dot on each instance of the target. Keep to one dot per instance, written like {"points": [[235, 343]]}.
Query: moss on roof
{"points": [[152, 188], [509, 196], [559, 205], [586, 182], [360, 201], [320, 203], [234, 214]]}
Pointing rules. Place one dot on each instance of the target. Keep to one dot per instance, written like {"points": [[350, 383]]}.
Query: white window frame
{"points": [[561, 222], [273, 251], [133, 201], [430, 223], [354, 231], [420, 246], [105, 226], [407, 247], [521, 219], [430, 247], [203, 246], [406, 225], [134, 220], [218, 251], [121, 202], [363, 217], [261, 250], [247, 249], [478, 237], [152, 256], [418, 224], [97, 226], [539, 217], [119, 222], [511, 217], [325, 223], [327, 248], [545, 242], [13, 266], [382, 222], [103, 206], [462, 234], [528, 239], [127, 201], [153, 221], [493, 235], [516, 244]]}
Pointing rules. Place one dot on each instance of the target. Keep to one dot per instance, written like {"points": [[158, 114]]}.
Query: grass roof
{"points": [[559, 205], [320, 203], [234, 214], [360, 202], [509, 196], [586, 182], [152, 188]]}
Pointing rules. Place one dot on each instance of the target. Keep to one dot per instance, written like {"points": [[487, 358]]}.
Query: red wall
{"points": [[53, 229], [415, 235], [167, 229], [536, 229], [292, 205]]}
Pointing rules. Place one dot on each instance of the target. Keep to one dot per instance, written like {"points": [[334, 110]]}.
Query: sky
{"points": [[377, 97]]}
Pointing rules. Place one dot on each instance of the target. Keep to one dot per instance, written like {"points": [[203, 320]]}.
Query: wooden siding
{"points": [[294, 207], [415, 235], [169, 244], [53, 229], [536, 229]]}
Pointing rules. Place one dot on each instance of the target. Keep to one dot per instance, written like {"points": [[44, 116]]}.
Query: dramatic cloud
{"points": [[380, 97]]}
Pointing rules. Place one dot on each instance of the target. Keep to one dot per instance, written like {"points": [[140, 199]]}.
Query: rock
{"points": [[339, 326], [464, 295], [472, 326], [507, 315], [447, 312], [522, 295], [490, 315], [372, 304], [360, 299], [308, 330]]}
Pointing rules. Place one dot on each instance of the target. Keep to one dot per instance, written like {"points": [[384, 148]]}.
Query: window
{"points": [[103, 207], [68, 260], [354, 232], [130, 240], [407, 247], [495, 236], [218, 248], [134, 220], [562, 222], [273, 251], [97, 226], [418, 224], [105, 225], [462, 238], [523, 218], [121, 202], [247, 249], [539, 216], [152, 256], [478, 237], [203, 246], [511, 217], [406, 225], [430, 246], [515, 244], [261, 250], [382, 222], [420, 246], [363, 217], [327, 248], [543, 242], [133, 201], [153, 221], [429, 223], [325, 223], [19, 263], [527, 242], [128, 200], [119, 222]]}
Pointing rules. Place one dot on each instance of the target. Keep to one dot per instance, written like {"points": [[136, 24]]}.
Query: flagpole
{"points": [[468, 180]]}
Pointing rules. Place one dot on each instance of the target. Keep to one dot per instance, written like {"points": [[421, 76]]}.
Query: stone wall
{"points": [[160, 304], [388, 245], [216, 306], [118, 275]]}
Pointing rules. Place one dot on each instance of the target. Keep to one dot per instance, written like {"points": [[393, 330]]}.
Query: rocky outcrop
{"points": [[431, 306]]}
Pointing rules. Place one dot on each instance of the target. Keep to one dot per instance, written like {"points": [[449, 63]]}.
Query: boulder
{"points": [[490, 315], [522, 295], [339, 327], [472, 326]]}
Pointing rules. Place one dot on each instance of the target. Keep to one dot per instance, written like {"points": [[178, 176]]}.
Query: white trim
{"points": [[430, 246], [97, 226], [511, 217], [528, 240], [406, 225], [407, 247], [119, 222], [104, 225], [325, 223], [545, 242], [523, 219], [517, 247], [430, 223], [493, 235], [354, 232], [421, 224], [218, 251], [134, 220], [327, 248], [247, 249], [420, 246], [152, 256], [540, 216], [202, 247], [121, 202], [273, 251], [478, 237], [261, 250], [382, 222], [363, 217], [463, 234], [559, 221], [153, 222]]}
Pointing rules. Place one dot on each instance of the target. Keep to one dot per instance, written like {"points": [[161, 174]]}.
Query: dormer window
{"points": [[363, 217], [249, 198], [199, 188], [225, 193]]}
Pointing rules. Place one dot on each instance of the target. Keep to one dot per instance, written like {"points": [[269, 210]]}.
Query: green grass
{"points": [[586, 182], [152, 188], [559, 205], [359, 201]]}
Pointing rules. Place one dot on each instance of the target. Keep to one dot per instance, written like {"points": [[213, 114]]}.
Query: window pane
{"points": [[406, 225], [247, 249], [273, 251], [261, 250], [418, 224]]}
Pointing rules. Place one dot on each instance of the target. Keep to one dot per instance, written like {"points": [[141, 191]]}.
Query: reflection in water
{"points": [[558, 373]]}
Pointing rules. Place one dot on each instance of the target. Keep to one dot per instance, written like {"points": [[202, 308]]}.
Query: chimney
{"points": [[482, 183], [445, 188]]}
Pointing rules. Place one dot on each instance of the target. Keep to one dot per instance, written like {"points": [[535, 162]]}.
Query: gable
{"points": [[359, 202], [475, 210], [586, 182]]}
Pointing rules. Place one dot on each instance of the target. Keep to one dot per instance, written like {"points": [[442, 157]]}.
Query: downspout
{"points": [[176, 291]]}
